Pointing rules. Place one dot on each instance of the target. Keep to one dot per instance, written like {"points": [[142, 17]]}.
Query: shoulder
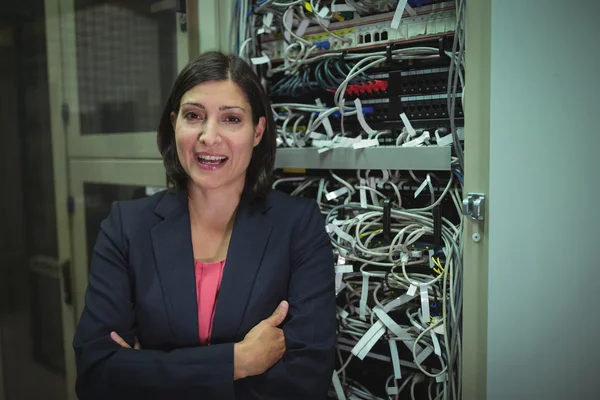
{"points": [[140, 208], [282, 203]]}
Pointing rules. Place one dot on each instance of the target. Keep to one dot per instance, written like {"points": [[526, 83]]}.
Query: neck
{"points": [[214, 209]]}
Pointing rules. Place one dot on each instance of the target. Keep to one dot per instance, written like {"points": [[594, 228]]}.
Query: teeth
{"points": [[212, 158]]}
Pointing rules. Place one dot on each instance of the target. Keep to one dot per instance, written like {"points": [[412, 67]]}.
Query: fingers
{"points": [[279, 314], [119, 340], [137, 344]]}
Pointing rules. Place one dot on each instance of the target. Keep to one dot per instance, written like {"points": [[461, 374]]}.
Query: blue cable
{"points": [[459, 176]]}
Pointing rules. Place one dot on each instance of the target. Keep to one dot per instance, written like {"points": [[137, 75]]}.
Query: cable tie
{"points": [[363, 194]]}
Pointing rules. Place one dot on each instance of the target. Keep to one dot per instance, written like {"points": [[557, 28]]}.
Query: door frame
{"points": [[60, 174], [150, 173], [477, 177]]}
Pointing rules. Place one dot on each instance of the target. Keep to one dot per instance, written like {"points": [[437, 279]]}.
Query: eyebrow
{"points": [[222, 108]]}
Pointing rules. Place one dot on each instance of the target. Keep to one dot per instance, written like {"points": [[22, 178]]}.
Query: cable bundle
{"points": [[394, 286]]}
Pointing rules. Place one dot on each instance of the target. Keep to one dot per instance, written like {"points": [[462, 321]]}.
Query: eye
{"points": [[192, 116], [232, 119]]}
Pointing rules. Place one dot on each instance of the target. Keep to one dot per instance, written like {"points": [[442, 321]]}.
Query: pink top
{"points": [[208, 281]]}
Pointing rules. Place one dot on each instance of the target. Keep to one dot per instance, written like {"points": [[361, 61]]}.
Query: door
{"points": [[111, 64]]}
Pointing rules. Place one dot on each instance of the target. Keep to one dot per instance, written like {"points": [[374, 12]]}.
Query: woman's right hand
{"points": [[262, 347]]}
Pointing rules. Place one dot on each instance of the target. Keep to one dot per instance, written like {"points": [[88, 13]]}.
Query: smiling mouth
{"points": [[210, 160]]}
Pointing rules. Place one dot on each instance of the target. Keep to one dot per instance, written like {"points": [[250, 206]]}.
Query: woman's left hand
{"points": [[119, 340]]}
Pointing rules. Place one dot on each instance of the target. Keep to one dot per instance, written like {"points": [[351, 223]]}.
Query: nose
{"points": [[209, 136]]}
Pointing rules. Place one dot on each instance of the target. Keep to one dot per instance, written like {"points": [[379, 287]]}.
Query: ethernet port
{"points": [[376, 37], [360, 39], [368, 38], [384, 35]]}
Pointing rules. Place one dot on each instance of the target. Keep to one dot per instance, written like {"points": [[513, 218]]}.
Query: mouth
{"points": [[210, 160]]}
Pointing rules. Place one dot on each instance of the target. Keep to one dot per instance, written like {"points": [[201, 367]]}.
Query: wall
{"points": [[544, 216]]}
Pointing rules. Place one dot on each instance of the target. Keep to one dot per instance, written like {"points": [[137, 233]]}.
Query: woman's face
{"points": [[215, 134]]}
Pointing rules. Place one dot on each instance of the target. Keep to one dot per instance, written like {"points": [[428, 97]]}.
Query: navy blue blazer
{"points": [[142, 284]]}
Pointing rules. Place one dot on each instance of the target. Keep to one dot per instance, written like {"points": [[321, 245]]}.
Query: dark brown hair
{"points": [[216, 66]]}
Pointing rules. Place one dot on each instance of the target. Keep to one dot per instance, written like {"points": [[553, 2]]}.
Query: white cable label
{"points": [[302, 27], [418, 141], [326, 122], [344, 269], [397, 302], [411, 131], [336, 193], [289, 20], [364, 297], [338, 231], [268, 20], [323, 12], [398, 14], [440, 378], [344, 314], [411, 11], [424, 303], [436, 344], [260, 60], [363, 194], [337, 385], [366, 343], [391, 324], [412, 290], [323, 150], [366, 143], [422, 356], [342, 8], [318, 136], [374, 198], [443, 141], [263, 30], [440, 329], [386, 177], [361, 118], [395, 359], [422, 186]]}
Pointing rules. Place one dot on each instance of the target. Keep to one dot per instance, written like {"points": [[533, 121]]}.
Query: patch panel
{"points": [[371, 34]]}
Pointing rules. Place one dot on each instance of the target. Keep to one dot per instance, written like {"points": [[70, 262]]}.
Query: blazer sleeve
{"points": [[107, 371], [306, 369]]}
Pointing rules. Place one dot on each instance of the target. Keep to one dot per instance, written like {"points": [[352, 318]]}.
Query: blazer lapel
{"points": [[249, 238], [173, 252]]}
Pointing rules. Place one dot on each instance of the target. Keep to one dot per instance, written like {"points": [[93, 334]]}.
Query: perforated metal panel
{"points": [[126, 63]]}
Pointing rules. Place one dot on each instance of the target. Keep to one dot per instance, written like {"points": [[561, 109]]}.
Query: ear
{"points": [[173, 119], [259, 130]]}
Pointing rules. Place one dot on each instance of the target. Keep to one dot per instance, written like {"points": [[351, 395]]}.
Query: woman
{"points": [[227, 285]]}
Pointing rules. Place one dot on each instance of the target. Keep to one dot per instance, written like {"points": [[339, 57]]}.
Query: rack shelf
{"points": [[388, 157]]}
